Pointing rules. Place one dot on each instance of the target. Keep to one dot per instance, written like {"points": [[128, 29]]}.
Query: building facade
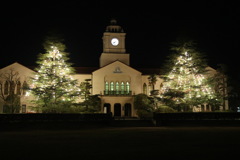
{"points": [[115, 81]]}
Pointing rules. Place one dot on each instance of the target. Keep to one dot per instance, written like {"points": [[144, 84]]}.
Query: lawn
{"points": [[121, 143]]}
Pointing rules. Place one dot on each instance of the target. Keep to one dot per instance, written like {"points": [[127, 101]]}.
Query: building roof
{"points": [[148, 71], [89, 70], [85, 70], [78, 70]]}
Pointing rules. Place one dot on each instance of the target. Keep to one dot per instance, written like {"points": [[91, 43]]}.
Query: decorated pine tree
{"points": [[186, 78], [53, 84]]}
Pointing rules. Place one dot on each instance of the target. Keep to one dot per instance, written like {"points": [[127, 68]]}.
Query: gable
{"points": [[16, 66], [23, 72], [117, 67]]}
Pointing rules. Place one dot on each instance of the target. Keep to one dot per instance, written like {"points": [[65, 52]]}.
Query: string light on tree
{"points": [[53, 82], [187, 81]]}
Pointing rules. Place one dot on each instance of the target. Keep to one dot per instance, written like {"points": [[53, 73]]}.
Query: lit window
{"points": [[127, 87], [112, 87], [25, 88], [117, 88], [106, 87], [122, 87]]}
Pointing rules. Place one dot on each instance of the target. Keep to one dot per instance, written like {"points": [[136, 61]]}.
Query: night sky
{"points": [[150, 28]]}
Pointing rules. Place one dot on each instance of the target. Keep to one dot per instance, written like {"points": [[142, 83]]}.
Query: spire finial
{"points": [[113, 21]]}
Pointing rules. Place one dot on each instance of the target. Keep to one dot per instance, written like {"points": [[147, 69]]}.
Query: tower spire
{"points": [[114, 27]]}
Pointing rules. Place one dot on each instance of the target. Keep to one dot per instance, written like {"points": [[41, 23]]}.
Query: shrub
{"points": [[143, 114], [165, 109]]}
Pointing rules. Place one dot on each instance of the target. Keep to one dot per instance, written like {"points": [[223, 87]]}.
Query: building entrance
{"points": [[117, 110], [127, 110], [107, 108]]}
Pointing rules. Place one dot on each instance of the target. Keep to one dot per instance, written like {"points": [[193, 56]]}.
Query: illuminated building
{"points": [[115, 81]]}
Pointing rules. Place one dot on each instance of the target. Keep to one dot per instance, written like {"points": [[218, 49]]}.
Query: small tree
{"points": [[152, 80], [93, 104], [85, 89], [144, 105], [85, 93], [53, 84], [154, 93]]}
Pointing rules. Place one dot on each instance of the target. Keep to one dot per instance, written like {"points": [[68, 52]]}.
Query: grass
{"points": [[121, 143]]}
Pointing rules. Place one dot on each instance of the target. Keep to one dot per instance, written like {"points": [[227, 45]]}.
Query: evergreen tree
{"points": [[185, 79], [92, 104], [52, 84], [85, 89], [144, 105]]}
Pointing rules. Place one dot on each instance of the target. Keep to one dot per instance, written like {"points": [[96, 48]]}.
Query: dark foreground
{"points": [[122, 143]]}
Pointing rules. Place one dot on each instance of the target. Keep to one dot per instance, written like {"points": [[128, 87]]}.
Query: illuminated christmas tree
{"points": [[186, 80], [52, 84]]}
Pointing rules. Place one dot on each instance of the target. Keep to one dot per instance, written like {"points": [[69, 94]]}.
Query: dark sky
{"points": [[150, 27]]}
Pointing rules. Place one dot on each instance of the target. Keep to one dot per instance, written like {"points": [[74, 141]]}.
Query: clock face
{"points": [[115, 41]]}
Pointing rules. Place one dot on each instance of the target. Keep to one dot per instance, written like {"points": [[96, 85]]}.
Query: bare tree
{"points": [[10, 90]]}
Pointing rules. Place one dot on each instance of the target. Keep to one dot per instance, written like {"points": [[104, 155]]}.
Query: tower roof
{"points": [[113, 27]]}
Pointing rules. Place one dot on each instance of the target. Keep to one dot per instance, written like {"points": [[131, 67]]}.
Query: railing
{"points": [[117, 93]]}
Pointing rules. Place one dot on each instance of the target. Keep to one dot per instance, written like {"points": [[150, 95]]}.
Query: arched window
{"points": [[127, 87], [18, 88], [107, 108], [106, 88], [6, 88], [25, 88], [122, 87], [117, 88], [12, 87], [111, 87], [144, 88]]}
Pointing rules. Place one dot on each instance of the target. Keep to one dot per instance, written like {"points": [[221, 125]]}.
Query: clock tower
{"points": [[113, 45]]}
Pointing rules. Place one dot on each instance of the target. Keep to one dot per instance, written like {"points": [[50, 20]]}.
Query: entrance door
{"points": [[107, 108], [128, 110], [117, 109]]}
